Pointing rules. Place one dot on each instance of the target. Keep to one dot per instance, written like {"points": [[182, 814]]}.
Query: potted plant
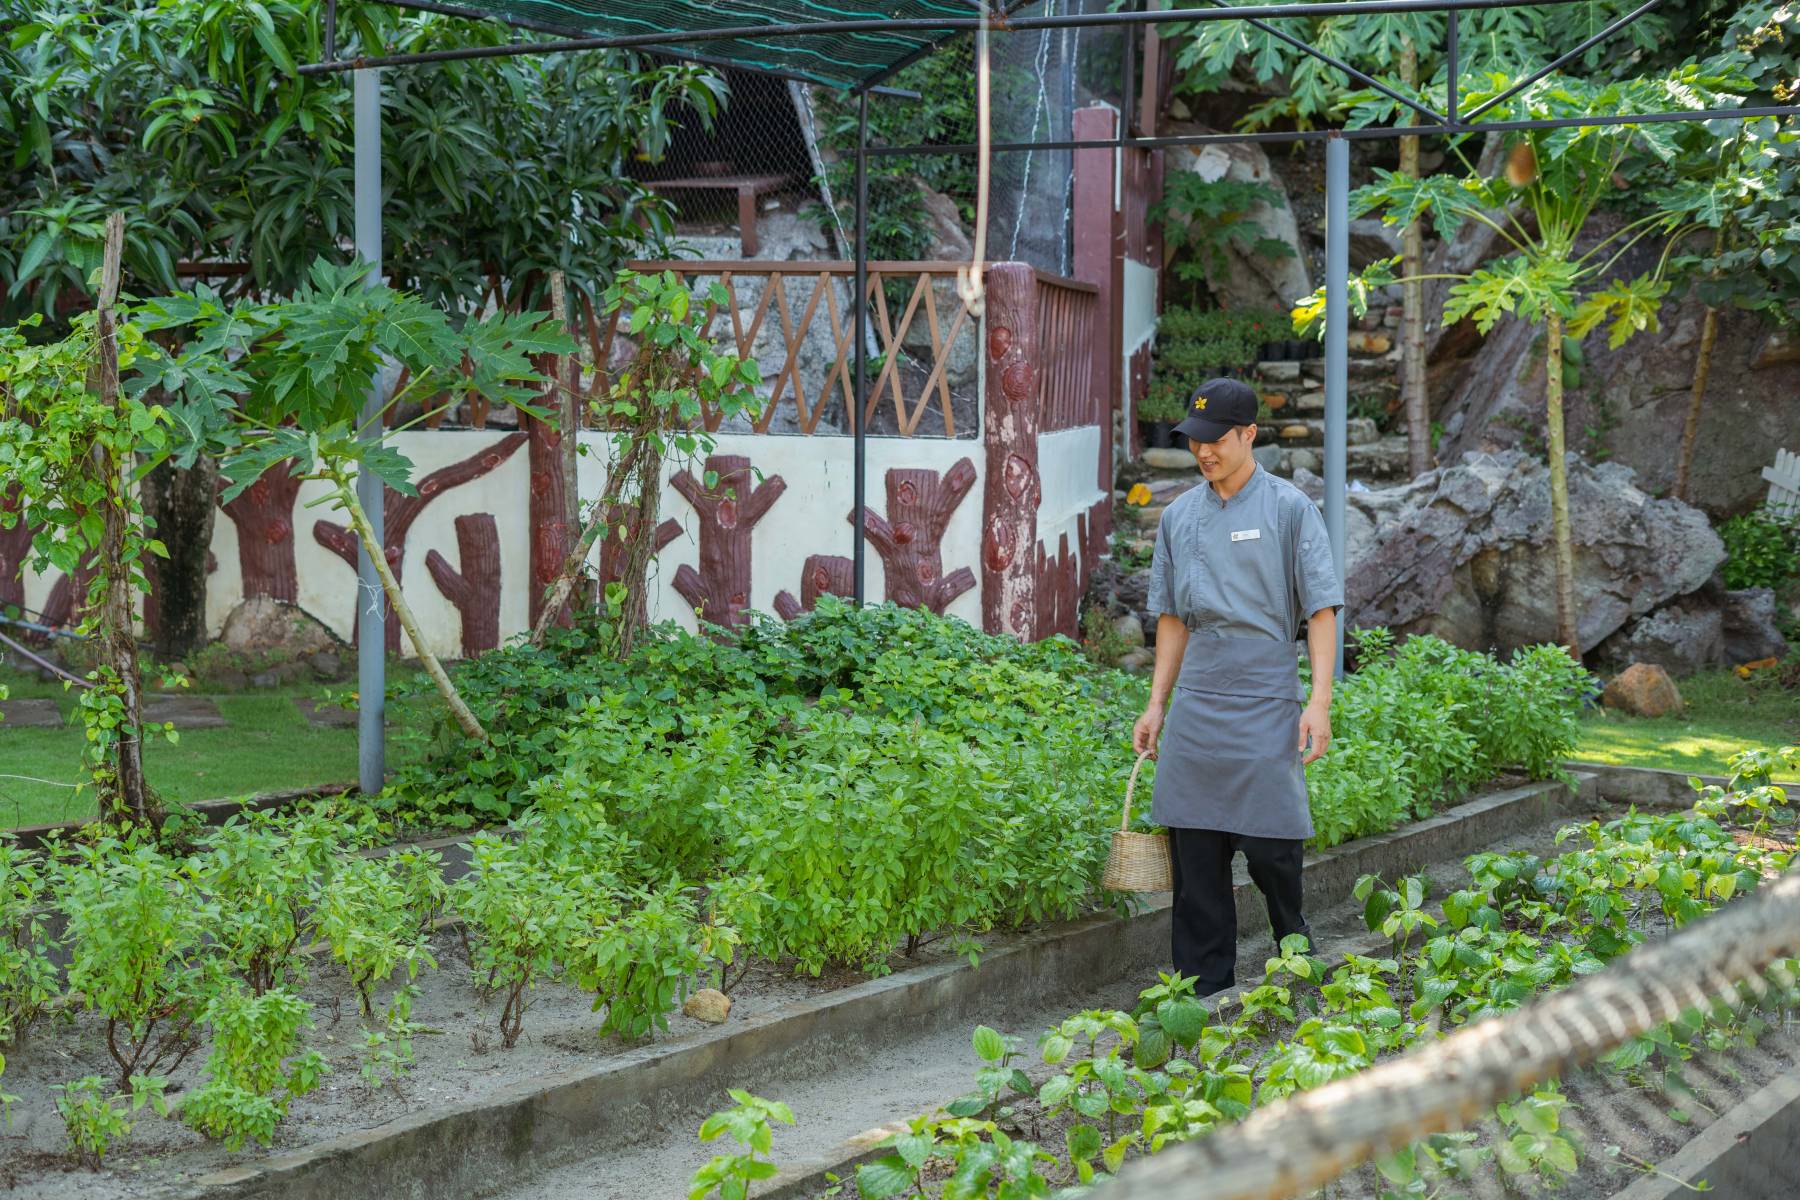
{"points": [[1161, 410]]}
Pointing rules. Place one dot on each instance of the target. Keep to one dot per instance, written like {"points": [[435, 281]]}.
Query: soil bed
{"points": [[458, 1058]]}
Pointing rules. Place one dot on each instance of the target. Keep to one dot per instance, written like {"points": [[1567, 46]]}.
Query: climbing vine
{"points": [[68, 444]]}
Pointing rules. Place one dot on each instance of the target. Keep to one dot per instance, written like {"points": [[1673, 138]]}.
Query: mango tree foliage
{"points": [[188, 117]]}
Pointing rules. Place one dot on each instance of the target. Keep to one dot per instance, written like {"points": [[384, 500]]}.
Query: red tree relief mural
{"points": [[1058, 592], [720, 589], [824, 574], [399, 512], [1012, 490], [264, 516], [15, 548], [910, 537], [614, 550], [474, 590]]}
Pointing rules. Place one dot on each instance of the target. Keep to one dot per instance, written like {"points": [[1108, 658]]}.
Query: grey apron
{"points": [[1229, 759]]}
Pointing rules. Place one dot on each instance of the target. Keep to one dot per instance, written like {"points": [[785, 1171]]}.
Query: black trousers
{"points": [[1203, 923]]}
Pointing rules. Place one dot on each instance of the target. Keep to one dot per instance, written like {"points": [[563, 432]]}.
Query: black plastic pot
{"points": [[1157, 434]]}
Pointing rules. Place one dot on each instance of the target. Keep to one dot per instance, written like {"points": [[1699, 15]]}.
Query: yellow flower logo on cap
{"points": [[1199, 403]]}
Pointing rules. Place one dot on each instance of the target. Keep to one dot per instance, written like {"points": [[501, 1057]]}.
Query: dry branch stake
{"points": [[1308, 1140]]}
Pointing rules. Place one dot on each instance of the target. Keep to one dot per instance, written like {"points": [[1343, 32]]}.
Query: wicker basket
{"points": [[1139, 862]]}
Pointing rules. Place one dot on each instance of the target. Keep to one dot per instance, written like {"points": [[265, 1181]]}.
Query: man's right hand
{"points": [[1148, 727]]}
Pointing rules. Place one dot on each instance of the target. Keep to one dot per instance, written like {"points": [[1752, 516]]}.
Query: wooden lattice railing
{"points": [[811, 302], [923, 356]]}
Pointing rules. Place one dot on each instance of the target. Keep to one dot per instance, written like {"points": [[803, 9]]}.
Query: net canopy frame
{"points": [[855, 46]]}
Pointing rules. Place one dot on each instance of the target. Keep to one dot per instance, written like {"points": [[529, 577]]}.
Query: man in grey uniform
{"points": [[1240, 563]]}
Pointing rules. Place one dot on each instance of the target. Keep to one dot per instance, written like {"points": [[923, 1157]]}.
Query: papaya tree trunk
{"points": [[359, 521], [1690, 432], [1559, 489], [1414, 399]]}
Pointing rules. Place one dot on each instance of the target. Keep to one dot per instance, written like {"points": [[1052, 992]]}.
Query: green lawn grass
{"points": [[268, 747], [1724, 714]]}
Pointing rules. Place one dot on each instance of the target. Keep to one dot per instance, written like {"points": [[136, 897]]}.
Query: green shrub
{"points": [[1416, 727], [255, 1068], [28, 975], [375, 914], [137, 950], [262, 874], [1762, 549], [94, 1121]]}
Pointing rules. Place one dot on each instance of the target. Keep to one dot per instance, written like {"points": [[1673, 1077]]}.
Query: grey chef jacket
{"points": [[1242, 574]]}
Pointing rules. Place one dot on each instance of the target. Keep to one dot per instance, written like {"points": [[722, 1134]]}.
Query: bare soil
{"points": [[458, 1060]]}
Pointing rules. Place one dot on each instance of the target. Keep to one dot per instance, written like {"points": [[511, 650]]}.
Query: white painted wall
{"points": [[1137, 311], [1069, 466]]}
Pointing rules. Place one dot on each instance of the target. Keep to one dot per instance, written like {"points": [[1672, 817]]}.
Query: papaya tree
{"points": [[267, 384], [1556, 273], [1405, 52]]}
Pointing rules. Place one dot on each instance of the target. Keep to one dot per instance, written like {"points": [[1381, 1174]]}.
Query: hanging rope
{"points": [[969, 280]]}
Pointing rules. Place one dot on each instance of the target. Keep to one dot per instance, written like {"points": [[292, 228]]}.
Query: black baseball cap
{"points": [[1217, 407]]}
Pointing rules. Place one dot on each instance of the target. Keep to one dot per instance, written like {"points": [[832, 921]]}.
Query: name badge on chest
{"points": [[1245, 535]]}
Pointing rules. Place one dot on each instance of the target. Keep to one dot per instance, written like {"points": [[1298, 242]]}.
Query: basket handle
{"points": [[1125, 817]]}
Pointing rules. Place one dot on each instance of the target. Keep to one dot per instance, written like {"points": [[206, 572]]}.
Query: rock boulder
{"points": [[1253, 280], [1643, 690], [1748, 621], [271, 630], [1680, 638], [1464, 552]]}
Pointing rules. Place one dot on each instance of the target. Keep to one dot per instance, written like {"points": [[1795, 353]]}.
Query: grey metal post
{"points": [[1337, 334], [371, 602], [862, 339]]}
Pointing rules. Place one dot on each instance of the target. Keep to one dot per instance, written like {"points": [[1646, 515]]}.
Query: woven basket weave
{"points": [[1139, 862]]}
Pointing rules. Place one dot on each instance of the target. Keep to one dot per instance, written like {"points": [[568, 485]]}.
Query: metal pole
{"points": [[862, 339], [1337, 337], [371, 603], [1450, 51]]}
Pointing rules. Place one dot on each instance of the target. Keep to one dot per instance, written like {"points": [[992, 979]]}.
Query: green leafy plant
{"points": [[376, 915], [95, 1122], [264, 875], [387, 1051], [193, 120], [679, 386], [1205, 220], [66, 442], [729, 1176], [255, 1068], [1762, 549], [137, 951], [29, 977], [1561, 176], [519, 920], [266, 384]]}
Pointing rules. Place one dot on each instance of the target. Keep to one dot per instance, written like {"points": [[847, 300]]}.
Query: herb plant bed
{"points": [[461, 1115], [1124, 1083]]}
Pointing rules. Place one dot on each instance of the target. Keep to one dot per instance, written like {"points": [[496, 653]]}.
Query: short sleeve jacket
{"points": [[1256, 565]]}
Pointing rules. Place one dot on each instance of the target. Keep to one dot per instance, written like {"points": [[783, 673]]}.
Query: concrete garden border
{"points": [[1746, 1152], [462, 1149], [210, 812]]}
